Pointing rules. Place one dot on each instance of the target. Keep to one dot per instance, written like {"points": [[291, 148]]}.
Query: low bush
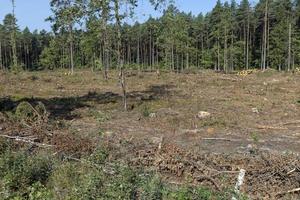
{"points": [[40, 176]]}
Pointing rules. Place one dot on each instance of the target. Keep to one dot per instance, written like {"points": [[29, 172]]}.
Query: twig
{"points": [[160, 143], [230, 79], [293, 170], [271, 127], [222, 139], [288, 192], [291, 122]]}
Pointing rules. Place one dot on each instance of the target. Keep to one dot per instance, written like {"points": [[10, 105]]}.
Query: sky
{"points": [[32, 13]]}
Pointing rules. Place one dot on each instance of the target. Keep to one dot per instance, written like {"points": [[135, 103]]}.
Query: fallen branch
{"points": [[230, 79], [26, 140], [290, 172], [271, 127], [222, 139]]}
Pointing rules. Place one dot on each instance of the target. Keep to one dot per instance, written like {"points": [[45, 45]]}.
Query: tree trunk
{"points": [[247, 43], [71, 48], [264, 48], [289, 47], [1, 63], [119, 53], [13, 40], [149, 53], [138, 53], [187, 57], [172, 58], [231, 52], [123, 85], [218, 65], [225, 51]]}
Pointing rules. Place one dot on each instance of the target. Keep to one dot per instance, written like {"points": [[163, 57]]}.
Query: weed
{"points": [[99, 116], [254, 137], [146, 111]]}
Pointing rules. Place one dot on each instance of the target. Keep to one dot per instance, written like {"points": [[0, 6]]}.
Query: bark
{"points": [[1, 62], [225, 51], [218, 65], [187, 58], [119, 53], [13, 40], [71, 48], [123, 85], [247, 43], [265, 32], [150, 50], [289, 47], [172, 58], [138, 53]]}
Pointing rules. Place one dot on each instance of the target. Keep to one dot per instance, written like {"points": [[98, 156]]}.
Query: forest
{"points": [[180, 106], [233, 36]]}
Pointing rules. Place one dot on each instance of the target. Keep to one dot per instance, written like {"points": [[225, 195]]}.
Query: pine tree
{"points": [[244, 17], [13, 38], [66, 15], [216, 32]]}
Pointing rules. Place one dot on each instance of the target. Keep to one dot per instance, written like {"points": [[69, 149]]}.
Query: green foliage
{"points": [[99, 115], [146, 110], [255, 137], [38, 176], [228, 38], [20, 171], [38, 191]]}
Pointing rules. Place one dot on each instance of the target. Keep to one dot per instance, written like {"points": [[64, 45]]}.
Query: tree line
{"points": [[92, 33]]}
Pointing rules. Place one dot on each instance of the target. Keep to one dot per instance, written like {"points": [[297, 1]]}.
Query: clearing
{"points": [[252, 122]]}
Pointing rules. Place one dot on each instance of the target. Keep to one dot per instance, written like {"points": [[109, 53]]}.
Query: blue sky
{"points": [[32, 13]]}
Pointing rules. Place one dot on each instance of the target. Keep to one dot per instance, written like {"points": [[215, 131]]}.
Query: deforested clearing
{"points": [[253, 124], [149, 100]]}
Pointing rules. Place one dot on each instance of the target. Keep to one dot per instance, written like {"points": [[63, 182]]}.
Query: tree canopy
{"points": [[232, 36]]}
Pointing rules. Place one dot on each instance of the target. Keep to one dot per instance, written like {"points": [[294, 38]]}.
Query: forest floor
{"points": [[200, 128]]}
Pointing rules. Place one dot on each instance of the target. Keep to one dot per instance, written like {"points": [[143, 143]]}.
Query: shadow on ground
{"points": [[62, 107]]}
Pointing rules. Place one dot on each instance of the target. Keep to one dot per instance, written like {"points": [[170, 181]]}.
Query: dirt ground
{"points": [[253, 122]]}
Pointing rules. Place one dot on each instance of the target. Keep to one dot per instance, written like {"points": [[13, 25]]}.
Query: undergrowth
{"points": [[42, 175]]}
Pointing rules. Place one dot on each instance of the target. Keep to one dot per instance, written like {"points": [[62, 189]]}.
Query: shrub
{"points": [[38, 191], [19, 171]]}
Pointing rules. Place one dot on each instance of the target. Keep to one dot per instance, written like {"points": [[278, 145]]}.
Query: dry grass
{"points": [[175, 99]]}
